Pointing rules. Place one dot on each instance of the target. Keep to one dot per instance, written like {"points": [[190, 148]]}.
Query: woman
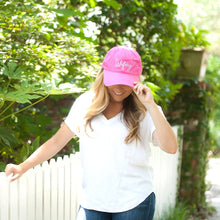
{"points": [[115, 121]]}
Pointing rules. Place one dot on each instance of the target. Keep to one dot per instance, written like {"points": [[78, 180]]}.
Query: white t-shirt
{"points": [[116, 177]]}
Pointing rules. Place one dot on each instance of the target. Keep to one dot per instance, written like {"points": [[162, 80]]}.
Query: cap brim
{"points": [[115, 78]]}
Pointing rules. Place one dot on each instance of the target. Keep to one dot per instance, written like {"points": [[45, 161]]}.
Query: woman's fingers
{"points": [[140, 89], [144, 94], [12, 172], [8, 169]]}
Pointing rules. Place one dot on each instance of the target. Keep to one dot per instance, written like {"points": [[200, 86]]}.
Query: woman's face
{"points": [[119, 92]]}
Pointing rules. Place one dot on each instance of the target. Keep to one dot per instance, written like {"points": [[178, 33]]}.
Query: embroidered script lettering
{"points": [[124, 66]]}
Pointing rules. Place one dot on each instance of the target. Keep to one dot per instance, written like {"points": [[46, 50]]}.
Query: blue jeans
{"points": [[144, 211]]}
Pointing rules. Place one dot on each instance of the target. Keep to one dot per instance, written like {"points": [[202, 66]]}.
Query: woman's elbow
{"points": [[170, 147], [173, 147], [174, 150]]}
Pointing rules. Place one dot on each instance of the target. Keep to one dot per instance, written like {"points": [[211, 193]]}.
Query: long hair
{"points": [[133, 110]]}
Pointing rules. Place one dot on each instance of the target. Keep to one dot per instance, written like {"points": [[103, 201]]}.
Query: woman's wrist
{"points": [[24, 167], [150, 106]]}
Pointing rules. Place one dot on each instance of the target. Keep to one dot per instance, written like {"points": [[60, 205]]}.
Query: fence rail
{"points": [[50, 191]]}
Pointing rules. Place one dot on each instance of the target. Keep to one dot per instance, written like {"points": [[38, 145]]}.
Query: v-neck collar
{"points": [[112, 118]]}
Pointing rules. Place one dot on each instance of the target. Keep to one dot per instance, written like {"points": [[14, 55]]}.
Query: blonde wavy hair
{"points": [[133, 110]]}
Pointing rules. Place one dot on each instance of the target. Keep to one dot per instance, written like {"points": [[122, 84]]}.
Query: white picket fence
{"points": [[50, 191]]}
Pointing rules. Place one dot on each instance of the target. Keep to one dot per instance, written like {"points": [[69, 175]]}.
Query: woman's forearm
{"points": [[49, 148], [43, 153]]}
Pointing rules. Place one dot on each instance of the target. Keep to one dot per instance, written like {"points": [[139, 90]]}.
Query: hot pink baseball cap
{"points": [[122, 65]]}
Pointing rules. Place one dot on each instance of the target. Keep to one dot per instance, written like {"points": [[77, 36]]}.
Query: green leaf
{"points": [[7, 137], [65, 88], [114, 4], [2, 102], [154, 88], [66, 12], [20, 97], [36, 143], [92, 3], [23, 153], [13, 71]]}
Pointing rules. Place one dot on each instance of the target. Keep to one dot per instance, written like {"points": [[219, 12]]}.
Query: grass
{"points": [[182, 212], [179, 212]]}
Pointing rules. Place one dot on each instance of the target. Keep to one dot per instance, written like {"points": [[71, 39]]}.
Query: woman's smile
{"points": [[119, 92]]}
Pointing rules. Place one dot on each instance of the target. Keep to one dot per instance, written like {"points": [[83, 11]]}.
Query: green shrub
{"points": [[179, 212]]}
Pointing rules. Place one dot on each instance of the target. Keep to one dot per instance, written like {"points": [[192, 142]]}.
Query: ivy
{"points": [[192, 108]]}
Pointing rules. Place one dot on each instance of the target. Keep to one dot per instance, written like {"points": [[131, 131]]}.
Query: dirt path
{"points": [[213, 179]]}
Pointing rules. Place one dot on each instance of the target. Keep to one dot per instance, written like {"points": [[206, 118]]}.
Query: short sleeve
{"points": [[75, 118]]}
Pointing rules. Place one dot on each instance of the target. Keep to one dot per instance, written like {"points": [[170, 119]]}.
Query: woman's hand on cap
{"points": [[144, 94]]}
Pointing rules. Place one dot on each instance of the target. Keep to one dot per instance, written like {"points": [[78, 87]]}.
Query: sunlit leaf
{"points": [[92, 3], [20, 97], [113, 3], [13, 71]]}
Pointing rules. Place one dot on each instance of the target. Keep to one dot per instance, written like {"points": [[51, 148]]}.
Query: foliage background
{"points": [[49, 48], [203, 15], [51, 51], [201, 138], [40, 56]]}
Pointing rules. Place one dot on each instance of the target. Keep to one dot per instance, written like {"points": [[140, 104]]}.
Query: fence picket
{"points": [[67, 209], [46, 190], [54, 189], [30, 184], [60, 170], [75, 178], [4, 197], [14, 200], [39, 192], [22, 191]]}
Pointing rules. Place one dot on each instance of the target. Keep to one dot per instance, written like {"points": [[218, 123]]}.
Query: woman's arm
{"points": [[43, 153], [163, 135]]}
